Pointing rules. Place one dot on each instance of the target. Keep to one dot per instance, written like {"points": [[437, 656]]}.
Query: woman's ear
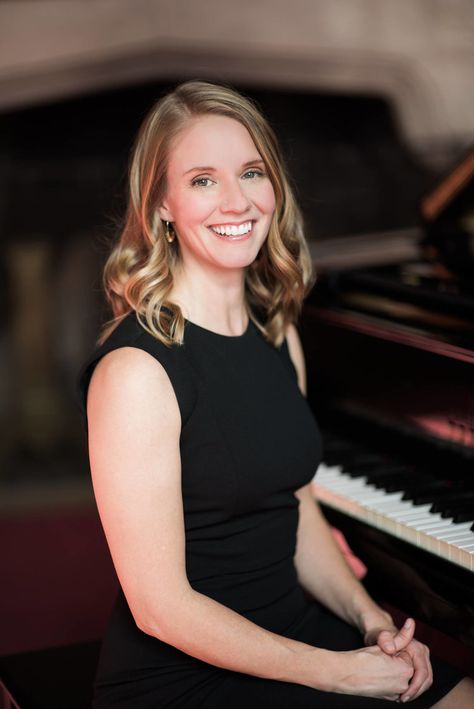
{"points": [[165, 213]]}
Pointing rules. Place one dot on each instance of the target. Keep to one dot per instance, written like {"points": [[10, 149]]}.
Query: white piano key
{"points": [[456, 542], [388, 512], [414, 516], [333, 475], [328, 476], [410, 512], [432, 519], [344, 484], [385, 502], [462, 539], [460, 555], [451, 529], [328, 470], [369, 497]]}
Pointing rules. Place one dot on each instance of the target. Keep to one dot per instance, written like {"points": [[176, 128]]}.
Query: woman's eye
{"points": [[253, 173], [201, 181], [206, 181]]}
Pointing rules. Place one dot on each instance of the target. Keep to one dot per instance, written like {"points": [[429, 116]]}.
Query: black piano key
{"points": [[452, 502], [389, 472], [434, 493], [391, 483], [447, 496], [419, 486], [358, 456], [451, 508], [363, 458], [464, 516], [355, 468], [395, 486], [337, 457], [429, 495], [374, 471], [334, 454]]}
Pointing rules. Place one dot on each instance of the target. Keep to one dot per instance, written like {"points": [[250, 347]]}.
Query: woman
{"points": [[202, 445]]}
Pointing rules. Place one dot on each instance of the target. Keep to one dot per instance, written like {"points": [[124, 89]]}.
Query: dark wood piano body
{"points": [[390, 354]]}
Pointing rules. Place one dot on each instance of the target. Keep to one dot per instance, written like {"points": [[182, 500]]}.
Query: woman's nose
{"points": [[234, 198]]}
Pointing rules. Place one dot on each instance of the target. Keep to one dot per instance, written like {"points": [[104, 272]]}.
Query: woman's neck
{"points": [[214, 302]]}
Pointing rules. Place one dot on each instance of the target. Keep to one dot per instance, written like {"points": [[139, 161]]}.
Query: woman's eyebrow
{"points": [[208, 168]]}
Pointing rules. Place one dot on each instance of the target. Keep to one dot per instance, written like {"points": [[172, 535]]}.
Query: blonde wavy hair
{"points": [[138, 274]]}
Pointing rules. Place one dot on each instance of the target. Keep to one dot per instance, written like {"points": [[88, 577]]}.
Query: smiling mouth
{"points": [[232, 230]]}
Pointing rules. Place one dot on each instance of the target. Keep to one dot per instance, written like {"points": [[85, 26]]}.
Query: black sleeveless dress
{"points": [[248, 441]]}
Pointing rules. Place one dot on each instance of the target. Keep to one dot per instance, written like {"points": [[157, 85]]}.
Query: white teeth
{"points": [[233, 230]]}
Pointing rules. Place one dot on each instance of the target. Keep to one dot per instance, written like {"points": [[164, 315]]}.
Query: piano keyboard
{"points": [[387, 511]]}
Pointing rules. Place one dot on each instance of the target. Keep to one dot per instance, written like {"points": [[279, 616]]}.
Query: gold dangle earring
{"points": [[170, 233]]}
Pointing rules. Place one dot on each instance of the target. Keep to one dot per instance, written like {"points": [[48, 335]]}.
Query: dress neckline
{"points": [[219, 334]]}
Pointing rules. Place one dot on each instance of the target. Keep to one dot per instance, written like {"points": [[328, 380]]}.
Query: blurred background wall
{"points": [[372, 101]]}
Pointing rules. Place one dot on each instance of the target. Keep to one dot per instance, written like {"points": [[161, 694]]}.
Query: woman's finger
{"points": [[391, 642], [409, 695], [423, 675]]}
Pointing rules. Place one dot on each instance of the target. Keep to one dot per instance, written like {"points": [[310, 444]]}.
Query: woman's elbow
{"points": [[162, 618]]}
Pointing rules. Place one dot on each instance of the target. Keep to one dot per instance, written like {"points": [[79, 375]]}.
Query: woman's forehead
{"points": [[211, 138]]}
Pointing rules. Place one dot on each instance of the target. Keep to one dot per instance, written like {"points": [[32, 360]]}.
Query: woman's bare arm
{"points": [[322, 569], [324, 573], [297, 356], [134, 430]]}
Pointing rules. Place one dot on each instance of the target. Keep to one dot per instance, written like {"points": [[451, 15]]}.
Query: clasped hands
{"points": [[403, 644]]}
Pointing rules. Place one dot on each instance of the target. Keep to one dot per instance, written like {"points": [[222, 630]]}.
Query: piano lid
{"points": [[448, 216], [409, 329], [434, 204], [426, 300]]}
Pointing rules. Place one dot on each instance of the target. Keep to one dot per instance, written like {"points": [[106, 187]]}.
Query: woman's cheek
{"points": [[263, 196], [197, 207], [269, 199]]}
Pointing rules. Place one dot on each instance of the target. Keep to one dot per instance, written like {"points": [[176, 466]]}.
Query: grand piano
{"points": [[390, 353]]}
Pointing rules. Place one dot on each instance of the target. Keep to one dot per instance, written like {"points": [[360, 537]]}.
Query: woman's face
{"points": [[219, 196]]}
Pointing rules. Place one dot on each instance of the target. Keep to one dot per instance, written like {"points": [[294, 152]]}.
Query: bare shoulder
{"points": [[130, 390], [129, 372], [297, 355]]}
